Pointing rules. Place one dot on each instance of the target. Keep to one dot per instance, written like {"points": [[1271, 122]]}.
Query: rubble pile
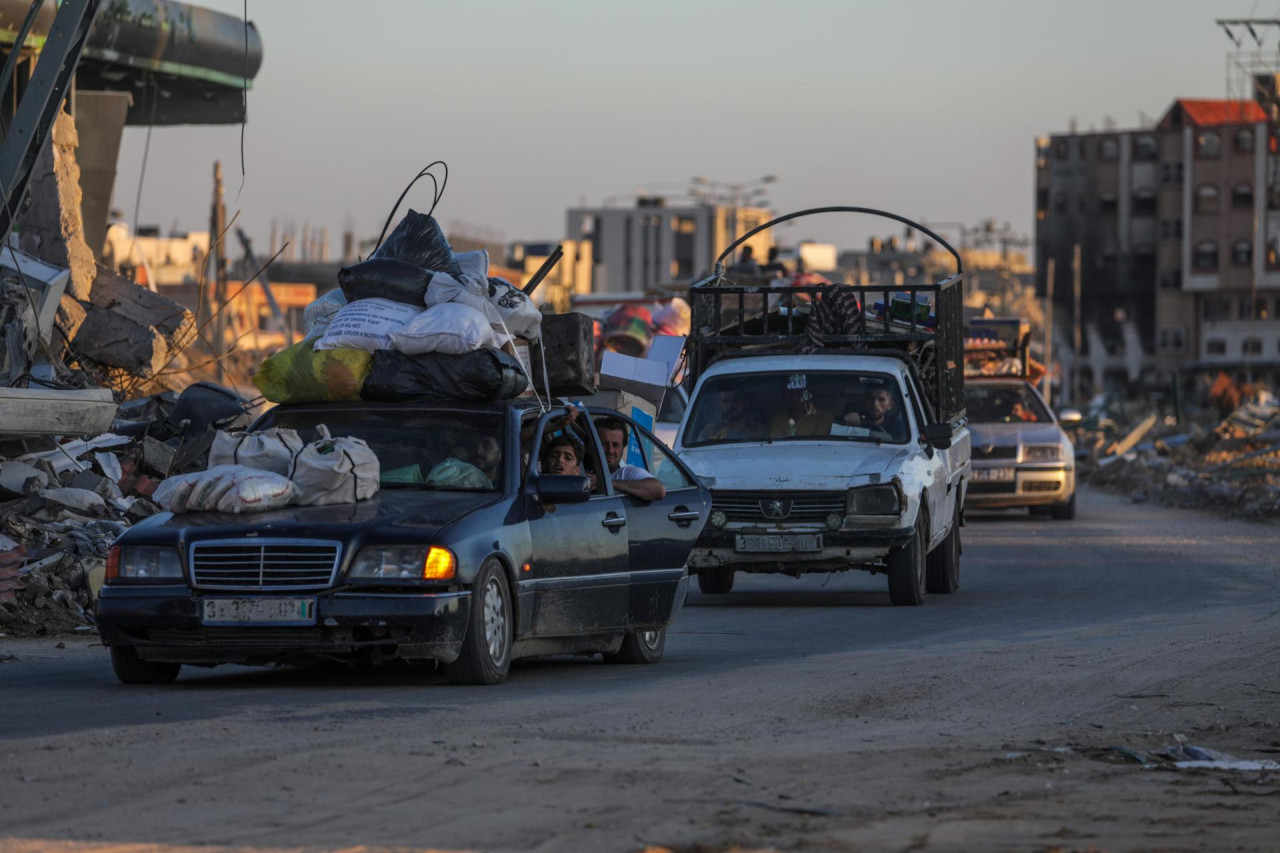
{"points": [[64, 502], [1232, 468]]}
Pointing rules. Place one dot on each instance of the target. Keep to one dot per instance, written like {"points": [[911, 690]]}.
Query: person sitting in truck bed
{"points": [[737, 418], [628, 479], [802, 417], [877, 410]]}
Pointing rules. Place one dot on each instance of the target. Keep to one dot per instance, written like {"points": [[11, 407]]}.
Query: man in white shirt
{"points": [[628, 479]]}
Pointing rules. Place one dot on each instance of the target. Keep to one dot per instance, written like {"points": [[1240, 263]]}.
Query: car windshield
{"points": [[445, 451], [1004, 404], [788, 406]]}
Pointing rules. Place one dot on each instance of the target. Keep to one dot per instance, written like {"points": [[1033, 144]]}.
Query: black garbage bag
{"points": [[419, 240], [486, 375], [205, 404], [385, 278]]}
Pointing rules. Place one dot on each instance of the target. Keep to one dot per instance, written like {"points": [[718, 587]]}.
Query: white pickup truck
{"points": [[854, 455]]}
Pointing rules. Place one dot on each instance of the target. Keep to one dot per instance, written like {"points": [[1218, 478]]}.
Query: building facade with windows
{"points": [[634, 249], [1169, 220]]}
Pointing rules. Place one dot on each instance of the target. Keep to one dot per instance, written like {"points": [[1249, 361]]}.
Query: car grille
{"points": [[1041, 486], [802, 507], [264, 564], [1004, 488], [990, 452]]}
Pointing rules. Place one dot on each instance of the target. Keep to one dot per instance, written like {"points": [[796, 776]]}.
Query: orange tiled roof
{"points": [[1208, 113]]}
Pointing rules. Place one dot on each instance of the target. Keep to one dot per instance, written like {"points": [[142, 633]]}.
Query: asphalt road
{"points": [[793, 715]]}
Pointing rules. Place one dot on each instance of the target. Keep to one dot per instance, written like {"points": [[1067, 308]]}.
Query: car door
{"points": [[941, 490], [578, 572], [662, 532]]}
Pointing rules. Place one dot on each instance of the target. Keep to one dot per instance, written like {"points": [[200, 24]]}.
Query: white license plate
{"points": [[259, 611], [768, 543], [992, 475]]}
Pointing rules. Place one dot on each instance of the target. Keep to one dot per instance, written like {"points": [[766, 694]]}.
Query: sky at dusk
{"points": [[930, 109]]}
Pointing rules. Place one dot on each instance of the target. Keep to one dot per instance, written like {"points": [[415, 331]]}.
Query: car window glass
{"points": [[1012, 403], [673, 406], [439, 450], [661, 464], [796, 406]]}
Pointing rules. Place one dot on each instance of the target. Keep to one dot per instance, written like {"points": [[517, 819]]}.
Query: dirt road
{"points": [[794, 715]]}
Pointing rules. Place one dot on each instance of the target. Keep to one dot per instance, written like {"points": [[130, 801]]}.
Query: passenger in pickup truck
{"points": [[738, 419], [628, 479], [802, 417]]}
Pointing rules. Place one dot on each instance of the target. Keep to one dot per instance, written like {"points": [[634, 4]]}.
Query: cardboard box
{"points": [[649, 377]]}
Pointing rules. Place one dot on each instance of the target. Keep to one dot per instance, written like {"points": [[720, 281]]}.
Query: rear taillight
{"points": [[113, 564]]}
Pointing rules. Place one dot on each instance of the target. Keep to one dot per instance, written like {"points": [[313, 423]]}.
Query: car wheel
{"points": [[640, 647], [131, 669], [486, 648], [942, 574], [907, 566], [1064, 511], [715, 581]]}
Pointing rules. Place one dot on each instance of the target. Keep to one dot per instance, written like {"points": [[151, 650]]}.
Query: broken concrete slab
{"points": [[73, 500], [20, 479], [101, 486], [117, 341], [157, 457], [124, 297], [49, 411]]}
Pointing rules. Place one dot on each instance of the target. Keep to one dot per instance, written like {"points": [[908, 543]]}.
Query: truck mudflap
{"points": [[842, 549]]}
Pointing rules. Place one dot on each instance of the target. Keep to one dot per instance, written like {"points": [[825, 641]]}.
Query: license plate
{"points": [[992, 475], [259, 611], [769, 543]]}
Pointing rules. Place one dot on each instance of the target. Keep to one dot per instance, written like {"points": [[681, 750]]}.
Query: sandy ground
{"points": [[1013, 715]]}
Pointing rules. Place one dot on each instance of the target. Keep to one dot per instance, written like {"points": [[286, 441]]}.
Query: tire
{"points": [[907, 566], [715, 581], [486, 649], [131, 669], [1064, 511], [942, 572], [640, 647]]}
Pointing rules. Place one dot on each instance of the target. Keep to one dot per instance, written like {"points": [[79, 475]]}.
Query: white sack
{"points": [[366, 324], [335, 470], [521, 316], [269, 450], [508, 308], [226, 488], [451, 327]]}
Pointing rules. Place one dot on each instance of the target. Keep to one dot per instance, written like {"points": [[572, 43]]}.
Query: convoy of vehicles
{"points": [[853, 456], [494, 562], [1021, 455]]}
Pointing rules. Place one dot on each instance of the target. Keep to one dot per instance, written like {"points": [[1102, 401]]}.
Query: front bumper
{"points": [[841, 549], [164, 624], [1031, 486]]}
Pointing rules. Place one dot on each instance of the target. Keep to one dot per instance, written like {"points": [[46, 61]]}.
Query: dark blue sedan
{"points": [[472, 554]]}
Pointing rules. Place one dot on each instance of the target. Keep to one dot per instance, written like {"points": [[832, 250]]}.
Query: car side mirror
{"points": [[1070, 417], [938, 435], [563, 488]]}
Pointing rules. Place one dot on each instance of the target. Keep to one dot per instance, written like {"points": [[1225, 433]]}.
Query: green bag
{"points": [[302, 375]]}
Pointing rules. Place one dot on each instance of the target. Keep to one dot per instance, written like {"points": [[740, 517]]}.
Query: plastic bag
{"points": [[485, 375], [419, 240], [385, 278], [367, 324], [320, 312], [452, 327], [521, 317], [335, 470], [269, 450], [454, 473], [300, 375], [225, 488]]}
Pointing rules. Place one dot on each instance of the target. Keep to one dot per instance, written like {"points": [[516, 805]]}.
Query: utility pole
{"points": [[1048, 335], [1075, 324], [218, 272]]}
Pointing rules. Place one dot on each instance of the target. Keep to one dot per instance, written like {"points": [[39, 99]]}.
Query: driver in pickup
{"points": [[877, 410]]}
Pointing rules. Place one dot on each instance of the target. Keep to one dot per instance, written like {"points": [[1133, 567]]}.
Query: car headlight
{"points": [[144, 563], [874, 500], [1041, 453], [414, 562]]}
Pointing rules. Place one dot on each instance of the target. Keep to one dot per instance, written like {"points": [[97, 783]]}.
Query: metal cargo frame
{"points": [[744, 316]]}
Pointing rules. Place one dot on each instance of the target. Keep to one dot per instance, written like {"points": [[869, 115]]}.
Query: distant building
{"points": [[1179, 229], [635, 249]]}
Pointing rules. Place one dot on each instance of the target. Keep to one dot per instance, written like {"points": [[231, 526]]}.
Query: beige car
{"points": [[1021, 456]]}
